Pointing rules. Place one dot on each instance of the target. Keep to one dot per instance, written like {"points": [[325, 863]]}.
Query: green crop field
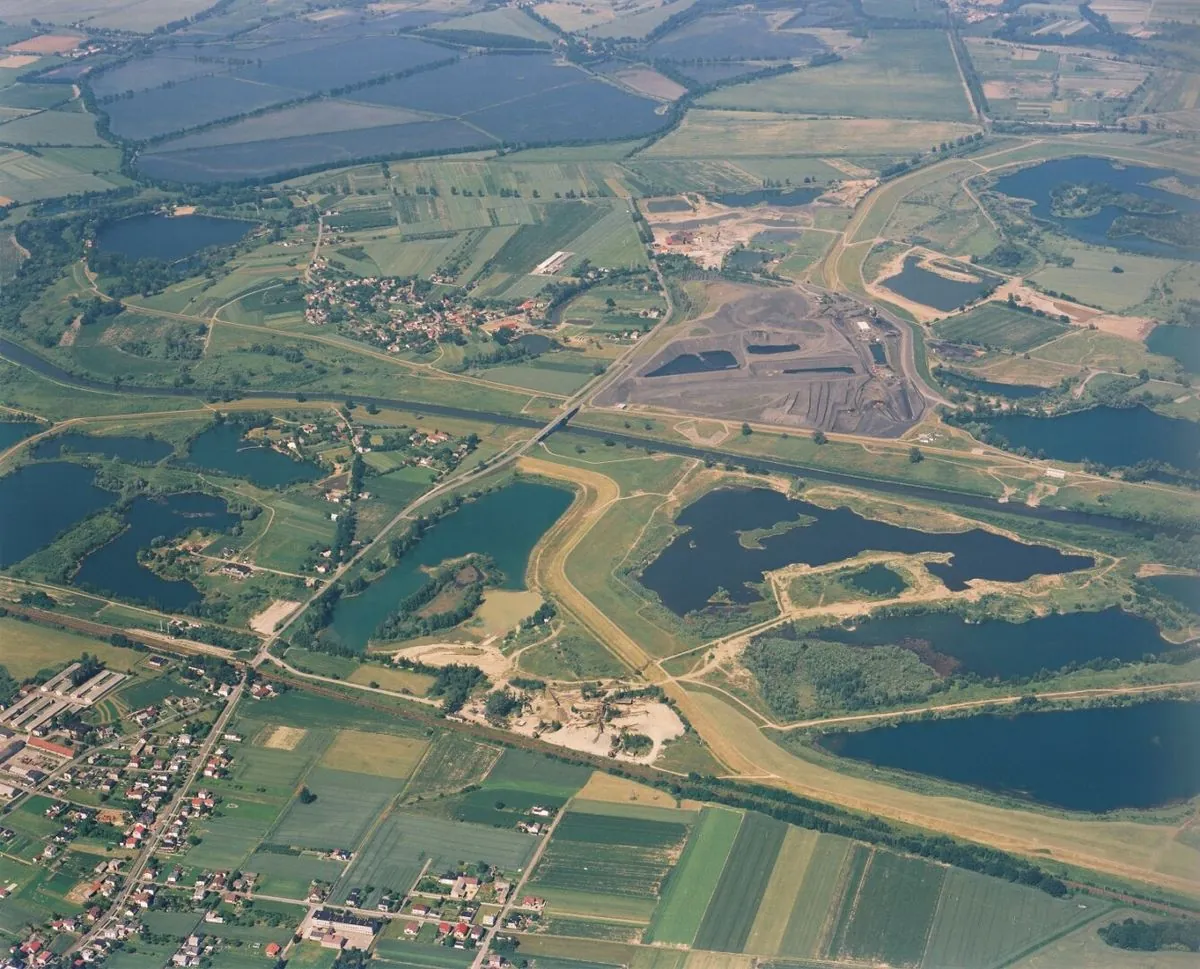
{"points": [[856, 867], [730, 914], [908, 74], [289, 876], [816, 896], [453, 762], [346, 805], [691, 883], [579, 928], [535, 773], [417, 955], [501, 807], [606, 869], [894, 910], [559, 223], [787, 877], [606, 829], [996, 325], [983, 921]]}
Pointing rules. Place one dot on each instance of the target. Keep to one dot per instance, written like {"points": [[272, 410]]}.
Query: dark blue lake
{"points": [[1141, 756], [41, 501], [1184, 589], [143, 450], [169, 238], [773, 196], [995, 648], [708, 555], [114, 568], [931, 289], [877, 580], [1114, 436], [224, 448], [504, 524], [991, 388], [706, 361], [1180, 342], [13, 431], [1038, 182]]}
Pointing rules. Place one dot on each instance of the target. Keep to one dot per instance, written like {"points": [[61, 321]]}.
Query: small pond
{"points": [[1038, 183], [819, 370], [767, 349], [1184, 589], [991, 388], [1141, 756], [224, 448], [533, 343], [1180, 342], [169, 238], [748, 260], [709, 555], [772, 196], [995, 648], [877, 580], [878, 353], [41, 501], [932, 289], [114, 568], [706, 361], [1114, 436], [505, 524], [143, 450]]}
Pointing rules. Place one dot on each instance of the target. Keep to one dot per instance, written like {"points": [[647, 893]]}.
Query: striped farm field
{"points": [[894, 910], [731, 911], [856, 867], [787, 878], [818, 894], [691, 884], [982, 921]]}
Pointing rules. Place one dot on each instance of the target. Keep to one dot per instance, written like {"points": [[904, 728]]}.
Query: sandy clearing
{"points": [[16, 61], [618, 790], [48, 44], [266, 621], [284, 738], [503, 609], [494, 663]]}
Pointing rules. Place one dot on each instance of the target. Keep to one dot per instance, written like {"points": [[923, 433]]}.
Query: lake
{"points": [[769, 348], [772, 196], [505, 524], [1114, 436], [169, 238], [996, 648], [1184, 589], [224, 448], [991, 388], [1038, 182], [877, 580], [114, 568], [41, 501], [13, 431], [706, 361], [932, 289], [143, 450], [1141, 756], [1180, 342], [708, 555]]}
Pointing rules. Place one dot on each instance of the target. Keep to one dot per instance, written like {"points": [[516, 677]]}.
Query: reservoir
{"points": [[704, 362], [13, 431], [709, 555], [773, 196], [223, 448], [114, 568], [1141, 756], [932, 289], [990, 388], [1038, 183], [504, 524], [1184, 589], [1180, 342], [1007, 650], [141, 450], [169, 238], [1113, 436], [41, 501]]}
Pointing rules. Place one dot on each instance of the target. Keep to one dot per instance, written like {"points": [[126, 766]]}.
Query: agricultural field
{"points": [[997, 326], [345, 807]]}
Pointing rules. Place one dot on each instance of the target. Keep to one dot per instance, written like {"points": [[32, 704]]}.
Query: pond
{"points": [[169, 238], [995, 648], [1038, 183], [534, 343], [991, 388], [1184, 589], [13, 431], [224, 448], [41, 501], [1180, 342], [877, 580], [932, 289], [878, 353], [706, 361], [709, 555], [773, 196], [1113, 436], [114, 568], [1141, 756], [505, 524], [748, 260], [769, 348], [143, 450]]}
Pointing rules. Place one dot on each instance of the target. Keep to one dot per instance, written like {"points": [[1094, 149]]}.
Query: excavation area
{"points": [[781, 356]]}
